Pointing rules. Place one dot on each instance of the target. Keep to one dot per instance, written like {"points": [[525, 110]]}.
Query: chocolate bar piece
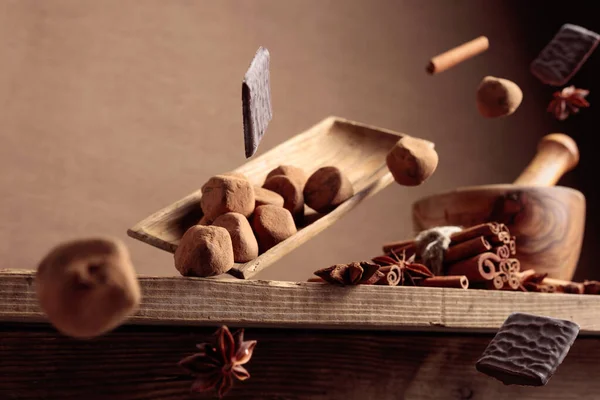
{"points": [[256, 101], [564, 55], [527, 349]]}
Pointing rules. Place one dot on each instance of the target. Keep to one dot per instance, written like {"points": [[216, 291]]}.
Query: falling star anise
{"points": [[568, 101], [217, 363]]}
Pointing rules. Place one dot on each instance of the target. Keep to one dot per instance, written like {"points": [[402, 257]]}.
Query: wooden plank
{"points": [[197, 301], [139, 363]]}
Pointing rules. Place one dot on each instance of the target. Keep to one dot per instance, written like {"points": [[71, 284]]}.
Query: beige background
{"points": [[113, 109]]}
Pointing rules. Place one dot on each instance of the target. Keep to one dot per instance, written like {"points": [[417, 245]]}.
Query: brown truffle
{"points": [[265, 196], [87, 287], [412, 161], [227, 193], [293, 199], [272, 225], [327, 188], [245, 246], [204, 251], [497, 97], [294, 173]]}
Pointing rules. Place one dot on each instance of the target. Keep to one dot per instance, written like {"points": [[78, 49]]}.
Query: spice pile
{"points": [[241, 221], [478, 257]]}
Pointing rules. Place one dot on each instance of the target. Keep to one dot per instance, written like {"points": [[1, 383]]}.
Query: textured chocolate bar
{"points": [[564, 55], [527, 349], [256, 101]]}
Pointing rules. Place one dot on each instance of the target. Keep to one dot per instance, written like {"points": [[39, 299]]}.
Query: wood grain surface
{"points": [[198, 301], [548, 222], [358, 150], [139, 363]]}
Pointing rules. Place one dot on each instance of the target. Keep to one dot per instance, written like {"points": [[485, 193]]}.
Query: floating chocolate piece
{"points": [[256, 101], [527, 349], [564, 55]]}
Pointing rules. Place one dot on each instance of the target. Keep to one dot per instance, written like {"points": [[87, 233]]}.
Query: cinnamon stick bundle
{"points": [[466, 249], [480, 268], [458, 282], [500, 238], [502, 251], [512, 245], [510, 265], [486, 229]]}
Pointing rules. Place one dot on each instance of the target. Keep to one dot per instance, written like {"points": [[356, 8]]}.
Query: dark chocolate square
{"points": [[564, 55], [256, 101], [528, 349]]}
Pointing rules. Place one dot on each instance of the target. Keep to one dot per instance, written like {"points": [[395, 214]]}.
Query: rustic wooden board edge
{"points": [[274, 304]]}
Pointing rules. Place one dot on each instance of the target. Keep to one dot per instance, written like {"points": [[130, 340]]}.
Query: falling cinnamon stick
{"points": [[458, 282], [480, 268], [501, 251], [487, 229], [457, 55], [391, 275], [466, 249]]}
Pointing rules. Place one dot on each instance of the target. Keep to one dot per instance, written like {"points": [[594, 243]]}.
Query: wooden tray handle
{"points": [[557, 154]]}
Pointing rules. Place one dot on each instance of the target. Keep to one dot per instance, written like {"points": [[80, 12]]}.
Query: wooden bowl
{"points": [[548, 222], [358, 150]]}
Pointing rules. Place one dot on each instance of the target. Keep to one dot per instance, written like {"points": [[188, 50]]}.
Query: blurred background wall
{"points": [[113, 109]]}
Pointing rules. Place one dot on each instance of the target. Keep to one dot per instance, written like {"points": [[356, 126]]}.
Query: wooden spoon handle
{"points": [[557, 154]]}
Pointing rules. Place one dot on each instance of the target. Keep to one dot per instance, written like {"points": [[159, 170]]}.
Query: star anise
{"points": [[410, 270], [568, 101], [217, 363], [355, 273]]}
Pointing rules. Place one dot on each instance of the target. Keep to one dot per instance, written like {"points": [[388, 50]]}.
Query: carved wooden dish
{"points": [[357, 149]]}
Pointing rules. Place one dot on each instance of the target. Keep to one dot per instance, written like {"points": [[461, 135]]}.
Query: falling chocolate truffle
{"points": [[227, 193], [245, 246], [256, 101], [412, 161], [326, 189], [204, 251], [87, 287], [497, 97], [272, 226]]}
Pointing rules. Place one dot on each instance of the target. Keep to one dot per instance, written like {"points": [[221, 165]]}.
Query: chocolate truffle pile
{"points": [[241, 221]]}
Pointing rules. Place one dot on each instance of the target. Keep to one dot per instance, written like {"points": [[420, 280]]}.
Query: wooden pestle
{"points": [[557, 154]]}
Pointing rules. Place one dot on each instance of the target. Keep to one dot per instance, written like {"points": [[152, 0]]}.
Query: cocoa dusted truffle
{"points": [[87, 287], [272, 225], [245, 246], [204, 251]]}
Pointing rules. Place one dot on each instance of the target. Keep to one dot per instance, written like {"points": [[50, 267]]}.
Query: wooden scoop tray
{"points": [[357, 149]]}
